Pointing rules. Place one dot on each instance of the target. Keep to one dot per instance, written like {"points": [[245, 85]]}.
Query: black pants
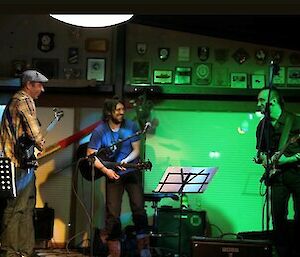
{"points": [[114, 193], [286, 185], [17, 237]]}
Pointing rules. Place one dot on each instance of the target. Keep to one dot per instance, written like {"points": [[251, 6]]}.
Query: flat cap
{"points": [[33, 75]]}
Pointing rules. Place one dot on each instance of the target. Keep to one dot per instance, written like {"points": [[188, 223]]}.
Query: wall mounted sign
{"points": [[95, 69], [261, 56], [221, 55], [202, 73], [240, 56], [238, 80], [45, 41], [49, 67], [163, 53], [141, 48], [203, 53], [96, 45], [293, 75], [73, 55], [279, 79], [140, 72], [258, 81], [162, 76], [183, 75], [17, 68], [183, 54]]}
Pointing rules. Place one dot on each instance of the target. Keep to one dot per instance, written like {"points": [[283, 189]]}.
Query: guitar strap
{"points": [[9, 118], [289, 120]]}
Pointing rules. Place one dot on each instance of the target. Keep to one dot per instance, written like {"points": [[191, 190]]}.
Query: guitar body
{"points": [[25, 152], [274, 170], [85, 165], [25, 147]]}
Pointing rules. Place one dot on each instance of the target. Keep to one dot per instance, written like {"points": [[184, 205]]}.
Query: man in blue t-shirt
{"points": [[114, 129]]}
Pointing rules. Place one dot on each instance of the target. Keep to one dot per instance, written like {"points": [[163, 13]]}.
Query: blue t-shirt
{"points": [[103, 136]]}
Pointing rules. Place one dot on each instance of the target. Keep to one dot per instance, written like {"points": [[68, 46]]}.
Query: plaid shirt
{"points": [[23, 114]]}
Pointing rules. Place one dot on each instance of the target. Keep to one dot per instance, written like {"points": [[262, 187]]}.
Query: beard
{"points": [[116, 121]]}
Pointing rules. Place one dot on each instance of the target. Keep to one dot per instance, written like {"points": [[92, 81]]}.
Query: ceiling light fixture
{"points": [[92, 20]]}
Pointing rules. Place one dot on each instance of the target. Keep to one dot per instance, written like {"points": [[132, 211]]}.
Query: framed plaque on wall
{"points": [[162, 76], [95, 69], [202, 73]]}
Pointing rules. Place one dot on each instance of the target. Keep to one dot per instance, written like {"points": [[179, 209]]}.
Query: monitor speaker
{"points": [[193, 223]]}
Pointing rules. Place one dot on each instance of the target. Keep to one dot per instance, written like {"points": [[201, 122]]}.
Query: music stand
{"points": [[8, 187], [185, 180]]}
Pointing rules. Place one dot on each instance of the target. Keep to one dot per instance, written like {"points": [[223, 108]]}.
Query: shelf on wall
{"points": [[61, 86], [208, 92]]}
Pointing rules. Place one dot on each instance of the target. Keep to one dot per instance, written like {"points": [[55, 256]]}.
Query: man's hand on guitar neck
{"points": [[110, 173], [278, 159], [282, 159]]}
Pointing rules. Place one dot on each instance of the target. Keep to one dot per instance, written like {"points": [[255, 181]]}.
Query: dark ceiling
{"points": [[272, 30]]}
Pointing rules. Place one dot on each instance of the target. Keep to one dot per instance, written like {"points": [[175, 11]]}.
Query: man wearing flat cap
{"points": [[20, 124]]}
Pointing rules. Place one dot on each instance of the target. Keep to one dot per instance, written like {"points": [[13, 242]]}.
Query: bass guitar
{"points": [[26, 146], [274, 170], [85, 166]]}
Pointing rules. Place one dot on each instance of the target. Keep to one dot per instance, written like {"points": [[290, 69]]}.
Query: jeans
{"points": [[114, 192], [286, 184], [17, 237]]}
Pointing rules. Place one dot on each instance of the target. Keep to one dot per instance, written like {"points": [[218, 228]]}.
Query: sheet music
{"points": [[195, 179]]}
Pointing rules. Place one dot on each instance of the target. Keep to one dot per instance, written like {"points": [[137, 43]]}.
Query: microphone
{"points": [[275, 67], [147, 126]]}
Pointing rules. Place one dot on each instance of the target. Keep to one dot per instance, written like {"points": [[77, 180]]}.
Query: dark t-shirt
{"points": [[275, 135]]}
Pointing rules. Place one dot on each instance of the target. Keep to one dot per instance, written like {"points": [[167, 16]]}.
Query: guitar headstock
{"points": [[58, 114], [145, 165]]}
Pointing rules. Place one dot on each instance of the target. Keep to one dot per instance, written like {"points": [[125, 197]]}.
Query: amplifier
{"points": [[193, 223], [212, 247], [43, 223]]}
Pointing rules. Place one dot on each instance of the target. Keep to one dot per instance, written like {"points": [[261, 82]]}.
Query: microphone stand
{"points": [[265, 131], [117, 144]]}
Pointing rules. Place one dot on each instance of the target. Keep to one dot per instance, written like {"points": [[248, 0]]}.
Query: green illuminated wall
{"points": [[185, 138]]}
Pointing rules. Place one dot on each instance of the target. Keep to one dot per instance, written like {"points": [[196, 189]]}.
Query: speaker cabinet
{"points": [[43, 223], [212, 247], [193, 223]]}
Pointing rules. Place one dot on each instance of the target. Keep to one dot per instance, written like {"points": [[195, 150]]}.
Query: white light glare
{"points": [[92, 20]]}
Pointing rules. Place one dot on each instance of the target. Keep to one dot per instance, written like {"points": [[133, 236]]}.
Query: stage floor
{"points": [[59, 253]]}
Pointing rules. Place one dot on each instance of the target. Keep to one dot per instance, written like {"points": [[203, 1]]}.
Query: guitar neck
{"points": [[115, 164]]}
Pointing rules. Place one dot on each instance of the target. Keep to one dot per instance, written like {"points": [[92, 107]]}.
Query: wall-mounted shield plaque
{"points": [[141, 48], [163, 53], [203, 53]]}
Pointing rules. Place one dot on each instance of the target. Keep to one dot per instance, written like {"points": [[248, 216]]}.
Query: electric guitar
{"points": [[274, 171], [26, 146], [85, 166]]}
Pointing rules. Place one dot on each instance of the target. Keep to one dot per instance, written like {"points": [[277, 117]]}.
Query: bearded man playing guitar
{"points": [[114, 129], [284, 149], [19, 121]]}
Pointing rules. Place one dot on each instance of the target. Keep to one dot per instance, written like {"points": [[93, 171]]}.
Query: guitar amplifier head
{"points": [[208, 247]]}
